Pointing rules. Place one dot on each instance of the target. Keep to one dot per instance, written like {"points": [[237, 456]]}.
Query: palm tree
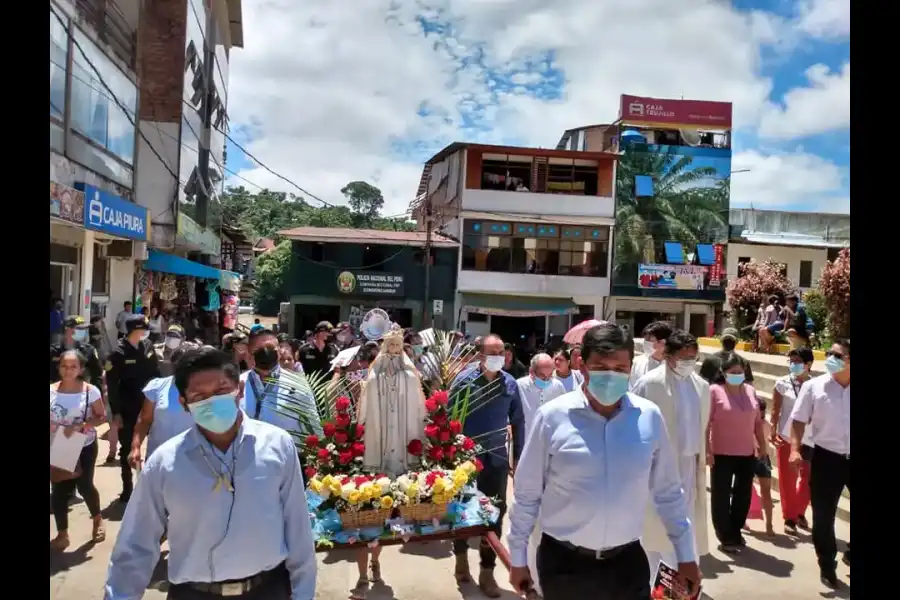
{"points": [[679, 210]]}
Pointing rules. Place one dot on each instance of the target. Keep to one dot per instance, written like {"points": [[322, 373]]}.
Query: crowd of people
{"points": [[609, 451]]}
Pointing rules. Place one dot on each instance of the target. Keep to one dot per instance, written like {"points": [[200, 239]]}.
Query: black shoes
{"points": [[829, 578], [846, 558], [790, 527]]}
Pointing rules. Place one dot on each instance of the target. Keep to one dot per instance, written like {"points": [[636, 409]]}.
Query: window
{"points": [[100, 276], [536, 248], [476, 317], [572, 176], [741, 262], [96, 113], [505, 172], [832, 254], [59, 57], [806, 267]]}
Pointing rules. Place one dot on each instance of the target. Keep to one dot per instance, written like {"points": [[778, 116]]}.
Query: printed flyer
{"points": [[666, 585]]}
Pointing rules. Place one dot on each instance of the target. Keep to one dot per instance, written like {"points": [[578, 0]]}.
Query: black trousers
{"points": [[492, 483], [566, 574], [125, 435], [828, 474], [731, 484], [62, 491], [277, 586]]}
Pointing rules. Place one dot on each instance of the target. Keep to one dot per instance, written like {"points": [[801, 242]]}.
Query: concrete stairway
{"points": [[767, 369]]}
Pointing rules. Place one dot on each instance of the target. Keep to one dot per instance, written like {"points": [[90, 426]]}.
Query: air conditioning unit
{"points": [[140, 251], [124, 250]]}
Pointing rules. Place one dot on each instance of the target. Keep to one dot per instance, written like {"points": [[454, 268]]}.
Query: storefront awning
{"points": [[169, 263], [517, 306]]}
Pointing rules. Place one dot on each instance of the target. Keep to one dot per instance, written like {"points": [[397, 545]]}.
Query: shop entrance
{"points": [[307, 316], [526, 333], [62, 286]]}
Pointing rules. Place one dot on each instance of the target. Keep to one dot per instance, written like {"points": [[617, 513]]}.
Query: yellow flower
{"points": [[460, 480], [329, 481], [387, 502], [440, 499], [412, 490], [335, 488], [354, 497], [438, 486], [467, 467]]}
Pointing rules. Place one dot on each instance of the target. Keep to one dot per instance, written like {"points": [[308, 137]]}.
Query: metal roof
{"points": [[365, 236], [787, 239]]}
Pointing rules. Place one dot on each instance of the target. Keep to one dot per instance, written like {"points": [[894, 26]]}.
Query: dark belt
{"points": [[820, 449], [236, 587], [604, 554]]}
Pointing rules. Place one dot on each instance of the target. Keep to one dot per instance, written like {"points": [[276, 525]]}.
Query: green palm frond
{"points": [[308, 399]]}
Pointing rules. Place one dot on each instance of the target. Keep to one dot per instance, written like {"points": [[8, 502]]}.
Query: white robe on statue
{"points": [[392, 409], [686, 416]]}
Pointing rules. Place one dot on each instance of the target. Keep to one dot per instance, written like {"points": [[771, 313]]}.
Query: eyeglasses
{"points": [[837, 355]]}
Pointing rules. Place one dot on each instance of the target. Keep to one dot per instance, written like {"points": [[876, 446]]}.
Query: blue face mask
{"points": [[541, 384], [216, 414], [734, 378], [418, 350], [607, 386], [797, 369], [834, 364]]}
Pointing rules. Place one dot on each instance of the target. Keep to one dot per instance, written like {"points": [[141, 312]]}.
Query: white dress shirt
{"points": [[533, 397], [825, 406], [590, 478], [641, 365], [217, 534], [789, 388], [687, 409]]}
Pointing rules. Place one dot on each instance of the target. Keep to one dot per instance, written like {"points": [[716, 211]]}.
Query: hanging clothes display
{"points": [[230, 311], [212, 296], [168, 291]]}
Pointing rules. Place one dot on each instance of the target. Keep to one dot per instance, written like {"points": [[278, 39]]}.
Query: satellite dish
{"points": [[375, 324], [690, 137]]}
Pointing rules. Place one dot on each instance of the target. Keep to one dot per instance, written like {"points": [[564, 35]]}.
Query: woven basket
{"points": [[359, 519], [425, 512]]}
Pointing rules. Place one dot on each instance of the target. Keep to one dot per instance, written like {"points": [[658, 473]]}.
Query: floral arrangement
{"points": [[436, 486], [444, 446], [340, 448], [354, 492]]}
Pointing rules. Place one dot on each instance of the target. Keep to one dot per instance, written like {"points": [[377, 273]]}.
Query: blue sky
{"points": [[330, 93]]}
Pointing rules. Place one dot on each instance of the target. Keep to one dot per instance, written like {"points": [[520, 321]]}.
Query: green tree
{"points": [[365, 200], [271, 270], [679, 209]]}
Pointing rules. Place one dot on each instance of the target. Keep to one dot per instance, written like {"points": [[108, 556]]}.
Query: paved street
{"points": [[767, 570]]}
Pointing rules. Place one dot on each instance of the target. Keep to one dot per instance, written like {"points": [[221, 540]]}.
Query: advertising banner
{"points": [[672, 277], [107, 213], [66, 203], [695, 113], [718, 266]]}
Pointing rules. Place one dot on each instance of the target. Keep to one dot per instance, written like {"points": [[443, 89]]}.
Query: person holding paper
{"points": [[230, 493], [75, 409]]}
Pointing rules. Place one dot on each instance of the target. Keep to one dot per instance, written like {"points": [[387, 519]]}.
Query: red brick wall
{"points": [[161, 41]]}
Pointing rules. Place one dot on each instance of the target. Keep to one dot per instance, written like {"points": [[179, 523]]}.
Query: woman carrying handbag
{"points": [[75, 406]]}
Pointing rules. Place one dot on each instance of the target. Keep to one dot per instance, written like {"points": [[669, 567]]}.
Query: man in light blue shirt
{"points": [[230, 492], [593, 460]]}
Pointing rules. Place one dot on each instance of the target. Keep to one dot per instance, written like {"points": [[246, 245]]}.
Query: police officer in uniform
{"points": [[174, 338], [75, 337], [130, 367]]}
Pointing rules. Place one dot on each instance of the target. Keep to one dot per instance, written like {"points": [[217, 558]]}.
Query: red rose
{"points": [[430, 405], [340, 437], [414, 447], [312, 441], [468, 444], [435, 453], [328, 428], [342, 404], [441, 397], [345, 457], [444, 435], [310, 472], [345, 480], [431, 478], [342, 422], [360, 430], [360, 479], [450, 451], [322, 454], [455, 427], [478, 465], [431, 431], [439, 419], [358, 449]]}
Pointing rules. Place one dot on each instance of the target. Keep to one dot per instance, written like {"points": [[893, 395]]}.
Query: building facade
{"points": [[672, 196], [535, 231], [113, 195], [340, 274]]}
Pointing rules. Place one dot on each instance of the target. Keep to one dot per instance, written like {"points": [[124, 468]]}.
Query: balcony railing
{"points": [[112, 28]]}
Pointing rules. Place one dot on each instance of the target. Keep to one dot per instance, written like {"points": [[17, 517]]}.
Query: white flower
{"points": [[403, 483], [331, 447], [385, 484], [346, 489], [460, 438], [358, 459]]}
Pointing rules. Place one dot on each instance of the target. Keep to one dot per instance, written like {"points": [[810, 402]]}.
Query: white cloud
{"points": [[825, 18], [823, 105], [774, 180], [331, 90]]}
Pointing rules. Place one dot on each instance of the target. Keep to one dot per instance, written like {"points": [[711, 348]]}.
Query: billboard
{"points": [[667, 194], [672, 277], [693, 113]]}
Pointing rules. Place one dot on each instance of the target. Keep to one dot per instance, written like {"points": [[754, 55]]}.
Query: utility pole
{"points": [[427, 317], [206, 115]]}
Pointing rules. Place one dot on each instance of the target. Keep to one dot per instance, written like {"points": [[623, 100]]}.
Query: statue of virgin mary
{"points": [[392, 408]]}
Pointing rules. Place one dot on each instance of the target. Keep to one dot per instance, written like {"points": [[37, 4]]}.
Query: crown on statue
{"points": [[394, 333]]}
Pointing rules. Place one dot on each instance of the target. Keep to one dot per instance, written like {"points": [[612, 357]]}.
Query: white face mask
{"points": [[684, 368], [145, 335], [173, 342], [494, 363], [649, 347]]}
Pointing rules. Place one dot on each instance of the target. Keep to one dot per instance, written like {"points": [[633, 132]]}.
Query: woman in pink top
{"points": [[735, 432]]}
